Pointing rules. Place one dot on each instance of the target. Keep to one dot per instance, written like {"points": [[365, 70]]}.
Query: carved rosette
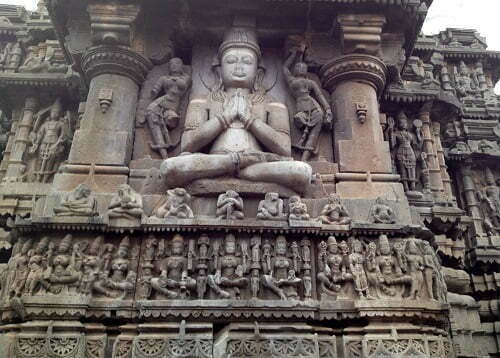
{"points": [[355, 67], [117, 60]]}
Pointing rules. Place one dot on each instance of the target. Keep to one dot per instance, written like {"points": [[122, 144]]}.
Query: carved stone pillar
{"points": [[469, 192], [445, 177], [437, 186], [16, 166], [355, 81], [115, 72]]}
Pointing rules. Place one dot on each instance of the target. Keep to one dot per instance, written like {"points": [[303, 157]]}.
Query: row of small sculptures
{"points": [[228, 268], [127, 204]]}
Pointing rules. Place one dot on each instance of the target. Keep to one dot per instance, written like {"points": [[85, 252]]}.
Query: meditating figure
{"points": [[382, 213], [79, 202], [297, 210], [126, 204], [237, 130]]}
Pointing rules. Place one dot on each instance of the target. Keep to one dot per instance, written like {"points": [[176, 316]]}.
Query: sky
{"points": [[473, 14]]}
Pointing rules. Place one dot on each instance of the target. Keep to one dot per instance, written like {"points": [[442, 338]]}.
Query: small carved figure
{"points": [[162, 114], [21, 270], [5, 54], [280, 277], [229, 272], [392, 277], [174, 280], [15, 56], [436, 281], [330, 267], [356, 266], [490, 197], [402, 142], [334, 213], [34, 61], [306, 267], [242, 132], [176, 205], [79, 202], [202, 265], [271, 208], [126, 204], [415, 269], [50, 137], [62, 276], [382, 213], [255, 266], [92, 269], [466, 84], [373, 274], [297, 210], [121, 281], [230, 206], [36, 265], [309, 114]]}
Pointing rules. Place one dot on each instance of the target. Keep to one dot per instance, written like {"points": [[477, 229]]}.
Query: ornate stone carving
{"points": [[162, 114], [176, 205], [334, 213], [50, 137], [382, 213], [280, 271], [246, 133], [311, 111], [490, 198], [126, 204], [230, 268], [79, 202], [271, 208], [297, 210], [230, 206], [466, 84], [175, 269]]}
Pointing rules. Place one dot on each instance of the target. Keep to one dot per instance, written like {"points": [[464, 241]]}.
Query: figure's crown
{"points": [[240, 37]]}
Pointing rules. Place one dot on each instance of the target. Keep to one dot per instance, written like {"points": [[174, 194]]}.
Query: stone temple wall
{"points": [[194, 178]]}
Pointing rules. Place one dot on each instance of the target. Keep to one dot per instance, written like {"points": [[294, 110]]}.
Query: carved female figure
{"points": [[390, 269], [122, 279], [37, 265], [491, 200], [415, 269], [280, 277], [405, 155], [92, 267], [61, 277], [356, 266], [228, 278], [21, 270], [162, 114], [373, 274], [429, 270], [334, 213], [174, 280], [309, 114], [330, 265]]}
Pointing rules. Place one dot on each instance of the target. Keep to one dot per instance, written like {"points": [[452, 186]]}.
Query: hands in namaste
{"points": [[237, 109]]}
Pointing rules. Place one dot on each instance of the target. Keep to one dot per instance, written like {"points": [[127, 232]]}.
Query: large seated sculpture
{"points": [[238, 130]]}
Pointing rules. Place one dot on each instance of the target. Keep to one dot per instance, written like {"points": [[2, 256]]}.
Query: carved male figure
{"points": [[121, 280], [176, 205], [297, 210], [126, 203], [406, 159], [356, 266], [230, 206], [239, 130], [37, 264], [271, 208], [334, 213], [415, 269], [382, 213], [162, 114], [330, 266], [79, 202]]}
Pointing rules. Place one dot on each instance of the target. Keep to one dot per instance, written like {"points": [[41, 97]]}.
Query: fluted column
{"points": [[115, 72], [16, 166], [469, 192], [445, 177]]}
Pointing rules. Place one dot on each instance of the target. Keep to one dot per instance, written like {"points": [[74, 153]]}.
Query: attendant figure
{"points": [[334, 213], [79, 202], [271, 208], [230, 206], [126, 204]]}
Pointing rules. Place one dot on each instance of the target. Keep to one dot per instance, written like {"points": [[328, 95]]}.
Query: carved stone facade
{"points": [[246, 179]]}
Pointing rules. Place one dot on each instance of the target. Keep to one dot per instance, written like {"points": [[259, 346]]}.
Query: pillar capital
{"points": [[359, 67], [361, 33], [118, 60]]}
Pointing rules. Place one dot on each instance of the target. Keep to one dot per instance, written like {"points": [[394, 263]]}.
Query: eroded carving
{"points": [[79, 202]]}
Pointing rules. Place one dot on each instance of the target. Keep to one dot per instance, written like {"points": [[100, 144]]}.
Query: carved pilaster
{"points": [[445, 177], [469, 192], [16, 165]]}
